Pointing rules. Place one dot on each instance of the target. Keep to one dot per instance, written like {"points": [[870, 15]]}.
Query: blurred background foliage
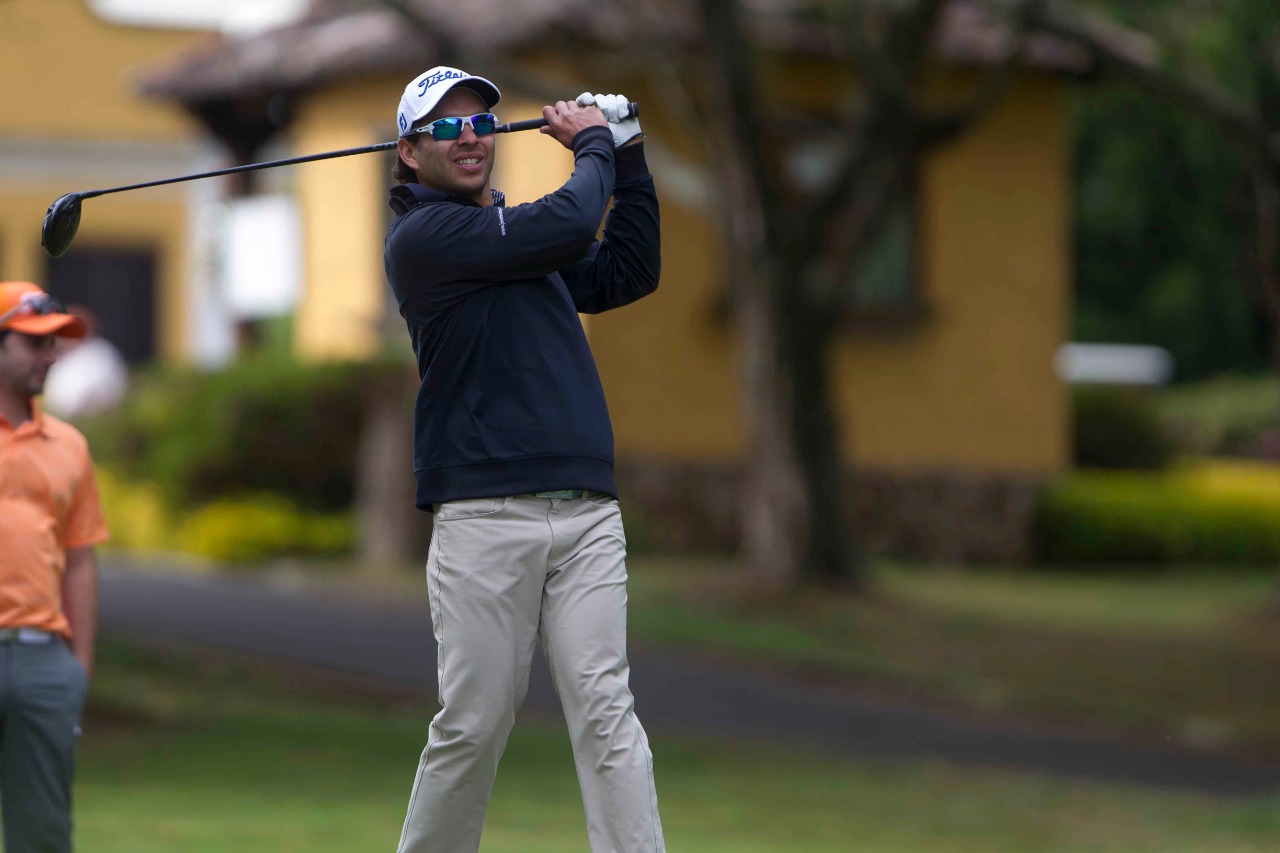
{"points": [[266, 424], [255, 461], [260, 461], [1163, 207]]}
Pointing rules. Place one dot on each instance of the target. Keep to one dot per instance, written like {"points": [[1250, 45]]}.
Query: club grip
{"points": [[633, 111]]}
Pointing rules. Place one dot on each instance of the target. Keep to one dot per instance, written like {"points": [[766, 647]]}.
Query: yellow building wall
{"points": [[342, 203], [972, 385], [975, 385], [68, 73], [68, 87]]}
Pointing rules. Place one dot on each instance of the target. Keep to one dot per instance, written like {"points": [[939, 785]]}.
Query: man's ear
{"points": [[407, 155]]}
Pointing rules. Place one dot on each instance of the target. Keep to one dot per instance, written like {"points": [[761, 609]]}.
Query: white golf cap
{"points": [[425, 91]]}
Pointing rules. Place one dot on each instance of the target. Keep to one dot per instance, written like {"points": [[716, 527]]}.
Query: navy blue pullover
{"points": [[510, 400]]}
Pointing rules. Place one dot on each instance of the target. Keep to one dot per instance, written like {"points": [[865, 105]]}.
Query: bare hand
{"points": [[566, 119]]}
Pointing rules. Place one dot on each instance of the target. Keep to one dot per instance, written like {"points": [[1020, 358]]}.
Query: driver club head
{"points": [[61, 222]]}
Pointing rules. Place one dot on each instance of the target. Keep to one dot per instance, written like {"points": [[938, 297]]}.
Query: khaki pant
{"points": [[500, 573]]}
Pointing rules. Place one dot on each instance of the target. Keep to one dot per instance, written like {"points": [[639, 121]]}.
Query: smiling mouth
{"points": [[468, 161]]}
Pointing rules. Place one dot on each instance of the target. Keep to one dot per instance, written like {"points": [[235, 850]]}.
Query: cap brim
{"points": [[487, 91], [62, 325]]}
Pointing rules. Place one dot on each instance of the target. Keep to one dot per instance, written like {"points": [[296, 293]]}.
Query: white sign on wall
{"points": [[262, 271]]}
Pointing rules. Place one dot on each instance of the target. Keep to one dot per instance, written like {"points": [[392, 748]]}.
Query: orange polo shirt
{"points": [[48, 505]]}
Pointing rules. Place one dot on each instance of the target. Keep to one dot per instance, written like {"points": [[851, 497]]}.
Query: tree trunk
{"points": [[774, 501], [832, 556], [389, 527]]}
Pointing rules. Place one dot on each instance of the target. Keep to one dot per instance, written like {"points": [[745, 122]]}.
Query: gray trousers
{"points": [[500, 573], [42, 691]]}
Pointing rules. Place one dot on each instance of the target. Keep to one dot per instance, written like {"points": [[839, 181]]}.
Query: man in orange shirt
{"points": [[50, 521]]}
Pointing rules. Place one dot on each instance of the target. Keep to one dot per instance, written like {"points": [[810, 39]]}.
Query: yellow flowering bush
{"points": [[253, 528], [136, 513], [240, 530], [1209, 511]]}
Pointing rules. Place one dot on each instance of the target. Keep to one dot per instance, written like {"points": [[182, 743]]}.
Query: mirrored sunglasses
{"points": [[445, 129], [33, 304]]}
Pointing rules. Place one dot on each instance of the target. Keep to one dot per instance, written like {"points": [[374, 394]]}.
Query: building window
{"points": [[883, 291], [119, 287]]}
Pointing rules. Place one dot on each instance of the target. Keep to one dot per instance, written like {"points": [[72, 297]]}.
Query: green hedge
{"points": [[1208, 512], [1119, 428], [261, 426], [1228, 416]]}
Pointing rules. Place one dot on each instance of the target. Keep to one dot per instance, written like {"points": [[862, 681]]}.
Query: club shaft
{"points": [[511, 127], [251, 167]]}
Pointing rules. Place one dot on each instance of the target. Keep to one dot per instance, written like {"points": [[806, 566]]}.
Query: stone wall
{"points": [[939, 516]]}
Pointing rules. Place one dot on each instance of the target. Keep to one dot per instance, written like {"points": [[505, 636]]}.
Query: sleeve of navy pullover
{"points": [[626, 264], [462, 248]]}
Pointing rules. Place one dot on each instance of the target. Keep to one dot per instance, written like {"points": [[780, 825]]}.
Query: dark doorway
{"points": [[119, 287]]}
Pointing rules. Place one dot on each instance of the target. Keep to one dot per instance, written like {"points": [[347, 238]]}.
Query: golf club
{"points": [[62, 219]]}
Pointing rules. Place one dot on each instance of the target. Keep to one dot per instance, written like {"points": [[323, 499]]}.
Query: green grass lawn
{"points": [[1182, 656], [205, 753]]}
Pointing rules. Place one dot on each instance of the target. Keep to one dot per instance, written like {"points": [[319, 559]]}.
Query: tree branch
{"points": [[1241, 125], [453, 51], [993, 86], [902, 49], [850, 232], [733, 53]]}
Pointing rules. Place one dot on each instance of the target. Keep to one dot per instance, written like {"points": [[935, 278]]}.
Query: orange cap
{"points": [[19, 311]]}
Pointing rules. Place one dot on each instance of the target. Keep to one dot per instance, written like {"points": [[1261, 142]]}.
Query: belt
{"points": [[563, 493], [27, 636]]}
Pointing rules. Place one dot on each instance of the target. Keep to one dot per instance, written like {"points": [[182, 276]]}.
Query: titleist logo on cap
{"points": [[427, 82]]}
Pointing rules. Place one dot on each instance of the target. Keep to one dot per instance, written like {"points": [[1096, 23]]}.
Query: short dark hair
{"points": [[401, 172]]}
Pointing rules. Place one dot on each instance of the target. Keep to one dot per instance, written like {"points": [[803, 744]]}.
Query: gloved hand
{"points": [[622, 124]]}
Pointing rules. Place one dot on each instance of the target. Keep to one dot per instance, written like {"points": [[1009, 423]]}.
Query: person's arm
{"points": [[85, 528], [80, 603], [451, 244], [627, 263]]}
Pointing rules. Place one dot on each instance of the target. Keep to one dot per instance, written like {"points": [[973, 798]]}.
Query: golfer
{"points": [[50, 521], [513, 448]]}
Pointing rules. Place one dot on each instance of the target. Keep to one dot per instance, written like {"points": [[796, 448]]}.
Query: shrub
{"points": [[1229, 416], [242, 530], [1119, 428], [260, 527], [136, 514], [1225, 513], [268, 425]]}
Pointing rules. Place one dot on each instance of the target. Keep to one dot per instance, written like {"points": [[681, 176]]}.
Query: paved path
{"points": [[392, 642]]}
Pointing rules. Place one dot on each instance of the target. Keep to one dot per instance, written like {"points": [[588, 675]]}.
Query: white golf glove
{"points": [[622, 124]]}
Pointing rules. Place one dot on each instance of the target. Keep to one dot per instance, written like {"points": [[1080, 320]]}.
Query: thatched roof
{"points": [[339, 40]]}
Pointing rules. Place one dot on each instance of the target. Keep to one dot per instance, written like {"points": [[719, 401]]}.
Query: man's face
{"points": [[24, 363], [457, 166]]}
